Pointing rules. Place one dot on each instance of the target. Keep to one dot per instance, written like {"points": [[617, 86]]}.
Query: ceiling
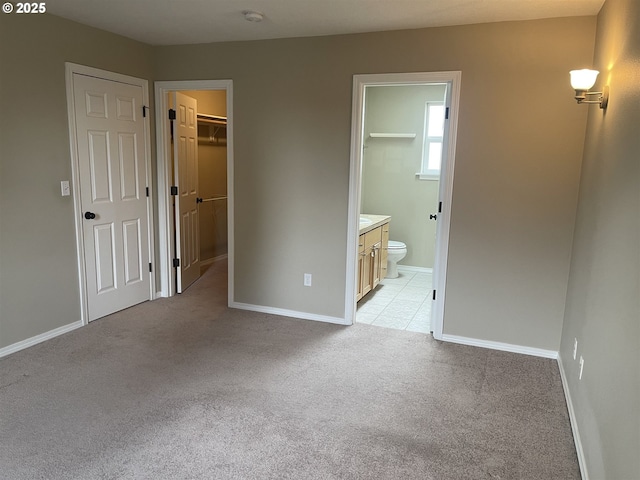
{"points": [[175, 22]]}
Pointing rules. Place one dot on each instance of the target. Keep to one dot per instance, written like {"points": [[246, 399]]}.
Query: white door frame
{"points": [[166, 244], [70, 70], [452, 78]]}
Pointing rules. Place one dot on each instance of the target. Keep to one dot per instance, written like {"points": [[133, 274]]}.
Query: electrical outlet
{"points": [[581, 367], [575, 348], [307, 279], [64, 188]]}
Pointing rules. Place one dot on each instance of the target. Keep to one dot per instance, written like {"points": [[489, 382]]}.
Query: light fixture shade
{"points": [[583, 79]]}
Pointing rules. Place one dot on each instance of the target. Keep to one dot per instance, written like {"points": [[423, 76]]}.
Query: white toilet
{"points": [[396, 252]]}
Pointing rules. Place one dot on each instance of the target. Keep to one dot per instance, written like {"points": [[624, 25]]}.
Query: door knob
{"points": [[89, 215], [433, 216], [198, 200]]}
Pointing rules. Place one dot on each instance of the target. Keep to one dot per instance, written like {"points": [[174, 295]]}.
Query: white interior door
{"points": [[445, 196], [110, 140], [185, 170]]}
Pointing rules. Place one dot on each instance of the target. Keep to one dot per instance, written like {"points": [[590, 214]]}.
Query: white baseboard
{"points": [[29, 342], [505, 347], [288, 313], [574, 422], [410, 268]]}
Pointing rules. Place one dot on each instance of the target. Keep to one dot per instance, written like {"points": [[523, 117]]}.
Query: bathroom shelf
{"points": [[392, 135]]}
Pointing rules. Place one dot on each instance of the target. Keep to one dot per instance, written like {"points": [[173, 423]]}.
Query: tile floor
{"points": [[403, 303]]}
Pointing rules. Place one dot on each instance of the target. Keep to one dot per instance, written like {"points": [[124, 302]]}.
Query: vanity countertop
{"points": [[376, 221]]}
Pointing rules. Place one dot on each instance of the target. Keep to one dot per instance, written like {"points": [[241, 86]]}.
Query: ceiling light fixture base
{"points": [[251, 16]]}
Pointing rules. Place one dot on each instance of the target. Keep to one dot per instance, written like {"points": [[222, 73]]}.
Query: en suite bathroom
{"points": [[402, 142]]}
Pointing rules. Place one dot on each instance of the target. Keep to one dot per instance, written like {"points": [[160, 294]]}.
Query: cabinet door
{"points": [[372, 241], [366, 279], [372, 259], [376, 256], [361, 259], [384, 251]]}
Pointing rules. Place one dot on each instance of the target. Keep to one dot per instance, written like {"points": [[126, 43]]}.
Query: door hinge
{"points": [[172, 114], [150, 267], [144, 111], [434, 295], [174, 190], [176, 262], [446, 113], [440, 207], [147, 189]]}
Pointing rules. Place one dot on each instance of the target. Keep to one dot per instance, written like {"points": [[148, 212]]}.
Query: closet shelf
{"points": [[392, 135], [212, 119], [217, 127]]}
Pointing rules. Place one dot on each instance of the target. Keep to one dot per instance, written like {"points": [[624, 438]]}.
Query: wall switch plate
{"points": [[581, 367], [64, 188], [307, 279], [575, 348]]}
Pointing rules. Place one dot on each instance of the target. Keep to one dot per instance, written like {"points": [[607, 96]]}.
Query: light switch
{"points": [[64, 188]]}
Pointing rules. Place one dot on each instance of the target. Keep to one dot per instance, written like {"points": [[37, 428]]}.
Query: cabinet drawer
{"points": [[372, 237]]}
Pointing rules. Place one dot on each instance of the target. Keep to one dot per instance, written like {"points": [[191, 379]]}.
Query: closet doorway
{"points": [[195, 179]]}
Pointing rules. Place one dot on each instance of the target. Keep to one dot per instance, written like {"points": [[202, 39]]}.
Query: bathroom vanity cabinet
{"points": [[373, 244]]}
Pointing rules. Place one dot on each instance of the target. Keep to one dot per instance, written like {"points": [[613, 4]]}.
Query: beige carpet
{"points": [[185, 388]]}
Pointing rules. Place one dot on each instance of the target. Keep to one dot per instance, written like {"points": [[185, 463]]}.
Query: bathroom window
{"points": [[433, 141]]}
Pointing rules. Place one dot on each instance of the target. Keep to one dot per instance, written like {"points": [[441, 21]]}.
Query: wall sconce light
{"points": [[582, 81]]}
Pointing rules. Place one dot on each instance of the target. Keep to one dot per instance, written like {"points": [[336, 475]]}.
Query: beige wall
{"points": [[38, 266], [516, 178], [516, 170], [603, 310], [389, 167]]}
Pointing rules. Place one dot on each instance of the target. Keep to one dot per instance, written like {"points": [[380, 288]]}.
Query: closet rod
{"points": [[213, 199]]}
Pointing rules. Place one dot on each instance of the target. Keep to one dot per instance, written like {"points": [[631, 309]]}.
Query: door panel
{"points": [[104, 254], [111, 153], [125, 108], [100, 173], [129, 168], [132, 248], [186, 178], [96, 104]]}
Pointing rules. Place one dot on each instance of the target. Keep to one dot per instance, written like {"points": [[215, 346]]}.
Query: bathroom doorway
{"points": [[199, 232], [403, 147]]}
